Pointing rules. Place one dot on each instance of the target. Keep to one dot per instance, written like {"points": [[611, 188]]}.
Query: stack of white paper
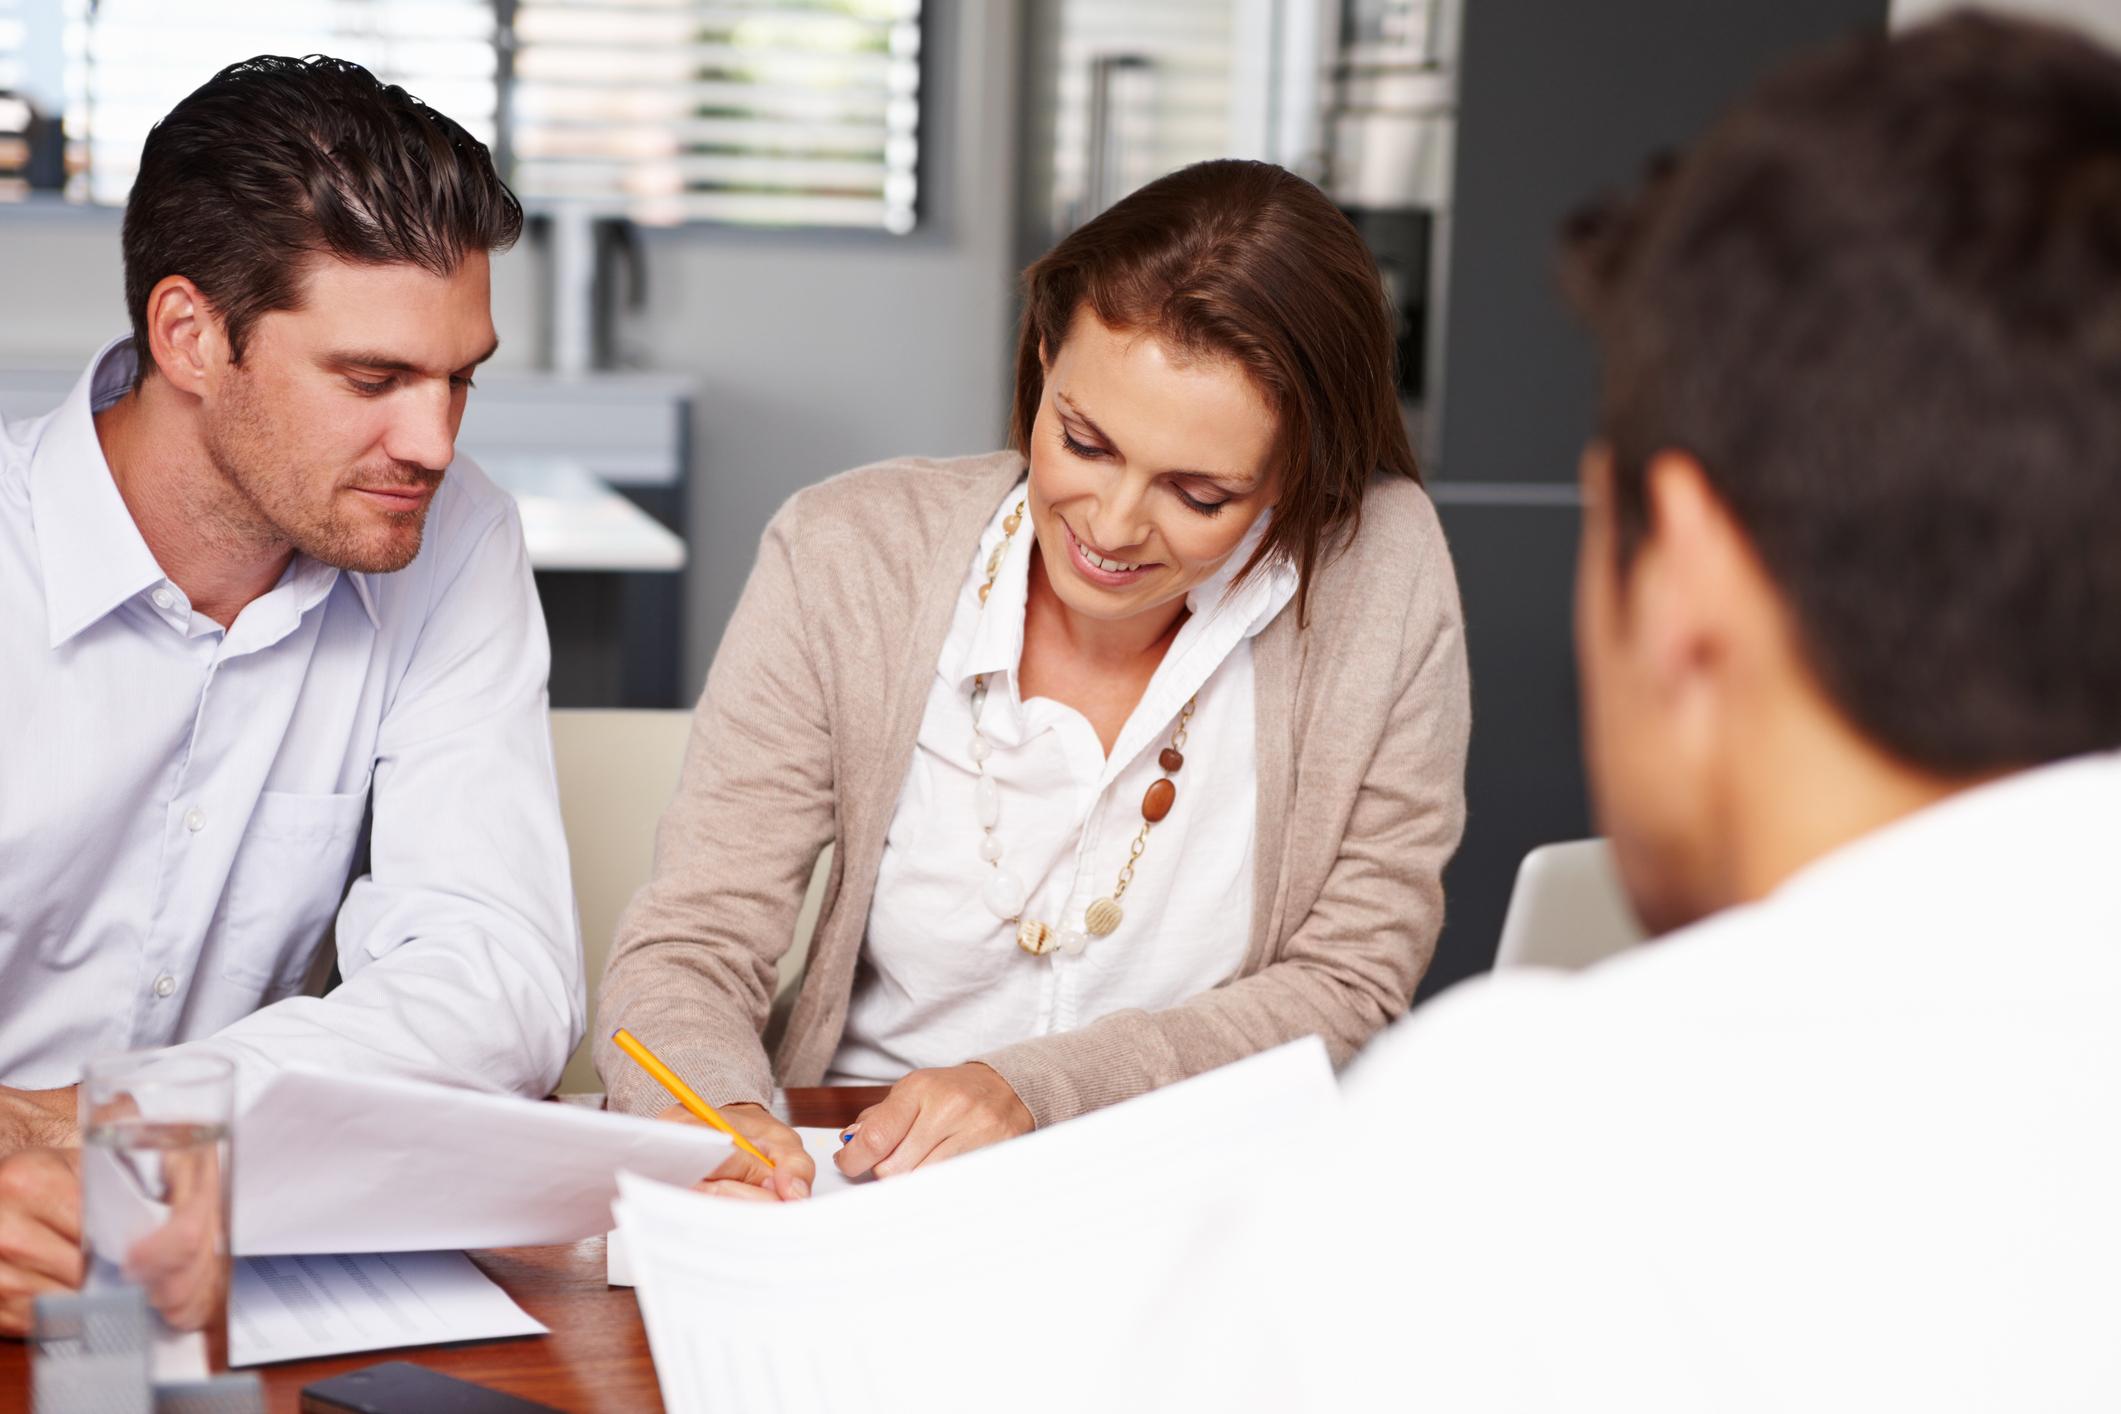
{"points": [[1031, 1275], [335, 1163], [820, 1144], [351, 1196]]}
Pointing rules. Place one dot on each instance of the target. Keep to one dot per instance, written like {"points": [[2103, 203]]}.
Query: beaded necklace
{"points": [[1005, 892]]}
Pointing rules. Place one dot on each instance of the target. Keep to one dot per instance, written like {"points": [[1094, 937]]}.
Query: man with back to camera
{"points": [[1849, 626], [255, 597], [1849, 629]]}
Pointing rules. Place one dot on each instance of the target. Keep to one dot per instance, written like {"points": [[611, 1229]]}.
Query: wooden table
{"points": [[596, 1358]]}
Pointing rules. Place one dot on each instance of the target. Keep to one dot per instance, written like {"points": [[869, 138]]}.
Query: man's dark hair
{"points": [[1881, 304], [275, 160]]}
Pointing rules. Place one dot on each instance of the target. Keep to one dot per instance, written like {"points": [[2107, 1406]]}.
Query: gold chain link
{"points": [[1126, 871]]}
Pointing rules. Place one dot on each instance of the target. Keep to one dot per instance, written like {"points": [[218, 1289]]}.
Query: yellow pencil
{"points": [[668, 1079]]}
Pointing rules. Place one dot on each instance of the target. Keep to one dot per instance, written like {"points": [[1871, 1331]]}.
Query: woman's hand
{"points": [[930, 1115], [742, 1176]]}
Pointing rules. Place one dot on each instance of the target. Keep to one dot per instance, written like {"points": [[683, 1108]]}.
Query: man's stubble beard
{"points": [[264, 504]]}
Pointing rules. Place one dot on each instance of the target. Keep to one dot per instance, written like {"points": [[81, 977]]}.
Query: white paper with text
{"points": [[300, 1308]]}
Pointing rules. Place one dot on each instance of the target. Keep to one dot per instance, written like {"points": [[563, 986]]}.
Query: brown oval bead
{"points": [[1157, 803], [1170, 760]]}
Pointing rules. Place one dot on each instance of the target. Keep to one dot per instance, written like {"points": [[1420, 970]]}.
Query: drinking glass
{"points": [[155, 1197]]}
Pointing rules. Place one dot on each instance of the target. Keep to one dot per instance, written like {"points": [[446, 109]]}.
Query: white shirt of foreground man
{"points": [[1852, 1148], [180, 806], [942, 978]]}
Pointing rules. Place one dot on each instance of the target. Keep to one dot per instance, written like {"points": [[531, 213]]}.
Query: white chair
{"points": [[1568, 909], [618, 770]]}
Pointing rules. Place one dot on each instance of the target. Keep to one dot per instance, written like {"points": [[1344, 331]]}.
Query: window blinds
{"points": [[130, 61], [773, 112], [14, 101]]}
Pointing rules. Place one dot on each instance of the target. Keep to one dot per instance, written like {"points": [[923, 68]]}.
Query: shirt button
{"points": [[195, 819], [163, 598], [165, 985]]}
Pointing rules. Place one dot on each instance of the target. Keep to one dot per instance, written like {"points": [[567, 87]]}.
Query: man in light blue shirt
{"points": [[257, 611]]}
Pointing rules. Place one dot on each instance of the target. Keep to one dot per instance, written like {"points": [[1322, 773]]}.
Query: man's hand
{"points": [[37, 1119], [40, 1230], [931, 1115], [745, 1177]]}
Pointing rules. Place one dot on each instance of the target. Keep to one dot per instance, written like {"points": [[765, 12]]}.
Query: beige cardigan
{"points": [[806, 730]]}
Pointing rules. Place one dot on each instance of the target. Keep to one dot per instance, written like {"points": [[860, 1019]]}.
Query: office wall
{"points": [[813, 351], [816, 353], [61, 284]]}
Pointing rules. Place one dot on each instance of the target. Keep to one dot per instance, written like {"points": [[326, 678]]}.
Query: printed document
{"points": [[298, 1308]]}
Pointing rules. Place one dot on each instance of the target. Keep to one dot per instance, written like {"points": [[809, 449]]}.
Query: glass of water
{"points": [[155, 1197]]}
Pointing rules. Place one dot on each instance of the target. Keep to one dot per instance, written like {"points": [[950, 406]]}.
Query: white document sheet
{"points": [[820, 1144], [333, 1163], [1031, 1275], [298, 1308]]}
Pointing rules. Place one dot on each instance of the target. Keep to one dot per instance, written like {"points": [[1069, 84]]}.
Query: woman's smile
{"points": [[1105, 571]]}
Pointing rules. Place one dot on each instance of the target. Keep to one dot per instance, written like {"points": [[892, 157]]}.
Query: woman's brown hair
{"points": [[1249, 262]]}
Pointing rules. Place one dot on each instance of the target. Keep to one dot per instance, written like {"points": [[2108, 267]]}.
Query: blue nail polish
{"points": [[847, 1137]]}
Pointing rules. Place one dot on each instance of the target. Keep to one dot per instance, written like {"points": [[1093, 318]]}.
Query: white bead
{"points": [[986, 802], [990, 849], [1004, 894], [979, 748], [1073, 941]]}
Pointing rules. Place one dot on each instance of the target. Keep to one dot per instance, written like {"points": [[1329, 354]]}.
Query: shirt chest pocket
{"points": [[284, 888]]}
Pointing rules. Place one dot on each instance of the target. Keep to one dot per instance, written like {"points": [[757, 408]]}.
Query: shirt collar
{"points": [[996, 643], [91, 553], [1221, 615], [2051, 819], [1254, 603], [363, 590], [275, 614]]}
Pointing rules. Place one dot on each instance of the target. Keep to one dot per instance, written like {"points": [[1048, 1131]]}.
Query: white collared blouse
{"points": [[941, 978]]}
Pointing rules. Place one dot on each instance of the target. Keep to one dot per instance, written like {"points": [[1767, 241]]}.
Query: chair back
{"points": [[1568, 909], [618, 769]]}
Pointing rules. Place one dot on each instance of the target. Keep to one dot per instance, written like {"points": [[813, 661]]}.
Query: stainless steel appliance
{"points": [[1358, 95]]}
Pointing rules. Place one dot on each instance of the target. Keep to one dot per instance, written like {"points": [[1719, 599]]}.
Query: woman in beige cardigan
{"points": [[1142, 745]]}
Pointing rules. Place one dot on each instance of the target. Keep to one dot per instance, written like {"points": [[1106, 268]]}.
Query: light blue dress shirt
{"points": [[181, 806]]}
